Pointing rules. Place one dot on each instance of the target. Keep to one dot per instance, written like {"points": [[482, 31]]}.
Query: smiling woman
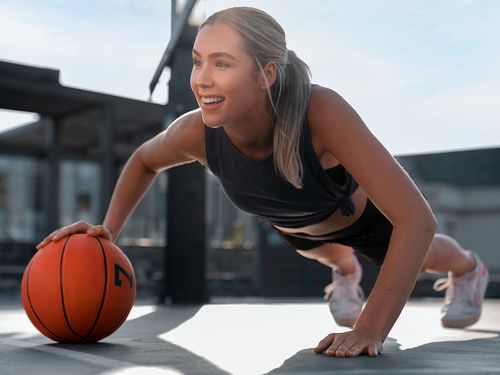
{"points": [[300, 158], [217, 80], [266, 51]]}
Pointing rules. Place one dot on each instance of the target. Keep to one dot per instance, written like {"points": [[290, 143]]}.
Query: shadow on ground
{"points": [[133, 347], [478, 356], [141, 345]]}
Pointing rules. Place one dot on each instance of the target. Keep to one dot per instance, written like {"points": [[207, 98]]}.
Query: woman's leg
{"points": [[344, 293], [467, 281], [336, 256], [445, 255]]}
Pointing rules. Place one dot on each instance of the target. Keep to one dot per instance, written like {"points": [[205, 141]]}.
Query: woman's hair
{"points": [[264, 39]]}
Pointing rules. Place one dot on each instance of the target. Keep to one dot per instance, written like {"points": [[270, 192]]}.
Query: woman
{"points": [[299, 157]]}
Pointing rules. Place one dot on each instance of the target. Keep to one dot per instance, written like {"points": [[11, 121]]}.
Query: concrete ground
{"points": [[251, 337]]}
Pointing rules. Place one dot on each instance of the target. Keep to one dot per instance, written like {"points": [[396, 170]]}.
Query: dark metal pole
{"points": [[179, 22], [107, 156], [53, 137], [185, 252]]}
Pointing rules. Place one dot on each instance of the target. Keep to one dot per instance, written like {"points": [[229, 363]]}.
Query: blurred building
{"points": [[463, 189], [63, 168]]}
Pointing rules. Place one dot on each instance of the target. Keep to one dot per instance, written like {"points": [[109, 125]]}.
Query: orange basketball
{"points": [[79, 289]]}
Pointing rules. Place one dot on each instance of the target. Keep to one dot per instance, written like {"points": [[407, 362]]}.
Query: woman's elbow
{"points": [[423, 213], [433, 224], [421, 218], [430, 222]]}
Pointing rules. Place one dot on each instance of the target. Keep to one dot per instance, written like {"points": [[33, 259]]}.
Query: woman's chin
{"points": [[210, 122]]}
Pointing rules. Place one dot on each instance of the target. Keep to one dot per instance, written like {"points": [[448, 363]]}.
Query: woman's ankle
{"points": [[468, 265]]}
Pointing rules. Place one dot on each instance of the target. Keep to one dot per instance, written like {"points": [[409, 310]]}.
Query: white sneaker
{"points": [[464, 297], [345, 296]]}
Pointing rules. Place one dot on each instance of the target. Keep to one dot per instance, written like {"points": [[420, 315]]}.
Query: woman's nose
{"points": [[204, 78]]}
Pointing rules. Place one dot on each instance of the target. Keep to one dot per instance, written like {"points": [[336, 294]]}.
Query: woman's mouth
{"points": [[213, 100], [211, 103]]}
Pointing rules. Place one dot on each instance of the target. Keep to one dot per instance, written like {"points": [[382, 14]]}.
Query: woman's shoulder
{"points": [[187, 135], [327, 109], [332, 120], [190, 123], [186, 129], [324, 101]]}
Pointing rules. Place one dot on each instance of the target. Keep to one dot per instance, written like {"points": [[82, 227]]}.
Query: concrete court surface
{"points": [[251, 336]]}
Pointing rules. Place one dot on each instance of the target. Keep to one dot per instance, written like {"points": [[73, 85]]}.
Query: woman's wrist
{"points": [[370, 330]]}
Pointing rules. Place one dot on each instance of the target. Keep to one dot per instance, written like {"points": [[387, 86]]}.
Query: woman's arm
{"points": [[183, 142], [337, 128]]}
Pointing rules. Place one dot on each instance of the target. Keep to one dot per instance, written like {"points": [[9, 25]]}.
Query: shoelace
{"points": [[458, 293], [442, 284], [329, 289]]}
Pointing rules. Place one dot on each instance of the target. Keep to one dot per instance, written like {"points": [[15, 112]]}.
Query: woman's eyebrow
{"points": [[217, 54]]}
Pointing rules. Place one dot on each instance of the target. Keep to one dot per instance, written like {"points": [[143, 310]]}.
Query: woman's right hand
{"points": [[79, 227]]}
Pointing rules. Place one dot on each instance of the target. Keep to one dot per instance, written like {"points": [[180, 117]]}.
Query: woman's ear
{"points": [[268, 75]]}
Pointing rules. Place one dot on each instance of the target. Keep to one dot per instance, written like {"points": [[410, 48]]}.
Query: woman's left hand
{"points": [[350, 344]]}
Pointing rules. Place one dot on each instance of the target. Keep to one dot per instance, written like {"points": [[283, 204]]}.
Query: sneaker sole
{"points": [[345, 322], [460, 323]]}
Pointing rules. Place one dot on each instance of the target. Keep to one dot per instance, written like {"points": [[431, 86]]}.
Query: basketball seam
{"points": [[104, 291], [124, 316], [31, 305], [62, 293]]}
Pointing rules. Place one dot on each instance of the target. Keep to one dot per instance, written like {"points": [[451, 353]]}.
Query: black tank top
{"points": [[257, 188]]}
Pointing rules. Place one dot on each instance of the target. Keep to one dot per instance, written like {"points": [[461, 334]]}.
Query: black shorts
{"points": [[369, 236]]}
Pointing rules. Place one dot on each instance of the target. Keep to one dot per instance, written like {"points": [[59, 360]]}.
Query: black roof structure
{"points": [[81, 114], [466, 168], [74, 124]]}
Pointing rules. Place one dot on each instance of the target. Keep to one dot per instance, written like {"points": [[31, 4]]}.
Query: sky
{"points": [[423, 74]]}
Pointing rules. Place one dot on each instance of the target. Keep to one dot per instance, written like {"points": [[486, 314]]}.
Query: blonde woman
{"points": [[299, 157]]}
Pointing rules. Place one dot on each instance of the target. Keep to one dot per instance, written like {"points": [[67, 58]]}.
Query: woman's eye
{"points": [[196, 63], [221, 64]]}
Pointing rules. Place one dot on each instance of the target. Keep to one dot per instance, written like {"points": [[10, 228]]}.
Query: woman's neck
{"points": [[253, 136]]}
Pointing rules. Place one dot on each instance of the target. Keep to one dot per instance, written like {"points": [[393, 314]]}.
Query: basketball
{"points": [[79, 289]]}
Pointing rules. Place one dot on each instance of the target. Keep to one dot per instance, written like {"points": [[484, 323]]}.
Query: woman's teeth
{"points": [[211, 100]]}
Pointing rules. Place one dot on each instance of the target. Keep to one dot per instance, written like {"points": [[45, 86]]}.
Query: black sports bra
{"points": [[255, 187], [337, 174]]}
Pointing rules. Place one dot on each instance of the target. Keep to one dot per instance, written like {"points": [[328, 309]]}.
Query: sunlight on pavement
{"points": [[16, 322], [233, 337], [139, 311], [143, 371], [420, 324], [257, 338]]}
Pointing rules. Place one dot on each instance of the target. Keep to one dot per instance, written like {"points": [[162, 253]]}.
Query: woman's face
{"points": [[224, 79]]}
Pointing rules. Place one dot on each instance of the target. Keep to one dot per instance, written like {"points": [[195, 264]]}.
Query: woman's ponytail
{"points": [[290, 111]]}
